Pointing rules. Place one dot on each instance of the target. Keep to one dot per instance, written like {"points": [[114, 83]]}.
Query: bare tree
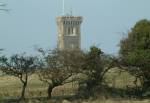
{"points": [[20, 66], [3, 6], [60, 65]]}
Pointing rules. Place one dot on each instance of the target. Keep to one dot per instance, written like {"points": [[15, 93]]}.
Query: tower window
{"points": [[74, 31], [69, 31], [72, 46]]}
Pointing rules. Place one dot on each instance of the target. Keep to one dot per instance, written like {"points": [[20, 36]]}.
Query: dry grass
{"points": [[117, 101], [91, 101], [11, 87], [119, 79]]}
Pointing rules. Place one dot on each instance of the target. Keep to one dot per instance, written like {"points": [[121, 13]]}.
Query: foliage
{"points": [[95, 68], [135, 51]]}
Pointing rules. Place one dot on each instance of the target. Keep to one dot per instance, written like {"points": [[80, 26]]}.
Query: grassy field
{"points": [[10, 87], [89, 101], [108, 101]]}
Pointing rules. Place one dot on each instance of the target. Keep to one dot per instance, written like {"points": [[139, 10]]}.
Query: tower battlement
{"points": [[69, 18]]}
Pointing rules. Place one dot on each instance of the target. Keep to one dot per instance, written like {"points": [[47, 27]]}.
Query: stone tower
{"points": [[69, 32]]}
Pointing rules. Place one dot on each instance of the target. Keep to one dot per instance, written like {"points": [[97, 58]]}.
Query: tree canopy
{"points": [[135, 50]]}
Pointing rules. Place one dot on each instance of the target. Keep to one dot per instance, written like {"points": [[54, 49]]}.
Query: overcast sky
{"points": [[32, 22]]}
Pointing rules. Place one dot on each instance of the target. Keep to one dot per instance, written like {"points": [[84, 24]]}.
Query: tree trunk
{"points": [[23, 90], [49, 91], [24, 82]]}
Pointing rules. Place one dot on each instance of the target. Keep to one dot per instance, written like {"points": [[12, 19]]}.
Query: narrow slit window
{"points": [[69, 31]]}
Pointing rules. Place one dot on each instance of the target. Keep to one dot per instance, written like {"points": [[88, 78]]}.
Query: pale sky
{"points": [[32, 22]]}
